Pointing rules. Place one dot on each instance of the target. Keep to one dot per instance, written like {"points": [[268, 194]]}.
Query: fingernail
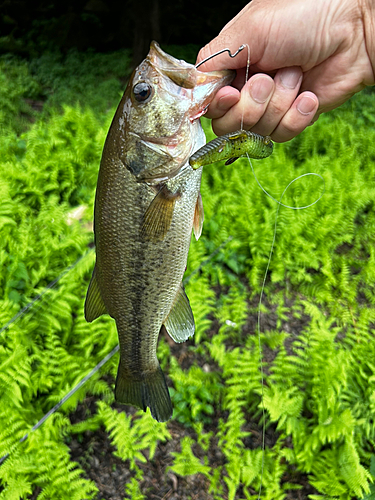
{"points": [[222, 103], [306, 105], [290, 77], [261, 89]]}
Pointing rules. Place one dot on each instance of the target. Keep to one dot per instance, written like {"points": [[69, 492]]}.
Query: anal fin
{"points": [[94, 305], [180, 321]]}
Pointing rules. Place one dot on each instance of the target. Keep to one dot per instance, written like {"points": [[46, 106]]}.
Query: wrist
{"points": [[368, 18]]}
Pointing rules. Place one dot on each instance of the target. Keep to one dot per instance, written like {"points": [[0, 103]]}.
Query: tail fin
{"points": [[151, 391]]}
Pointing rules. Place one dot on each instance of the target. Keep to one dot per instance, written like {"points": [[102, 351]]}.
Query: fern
{"points": [[185, 462], [133, 491], [129, 437], [319, 378]]}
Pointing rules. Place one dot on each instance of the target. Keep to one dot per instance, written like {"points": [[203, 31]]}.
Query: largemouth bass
{"points": [[147, 203]]}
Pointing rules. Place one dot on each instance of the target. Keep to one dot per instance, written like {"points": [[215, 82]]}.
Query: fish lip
{"points": [[203, 85], [208, 84], [167, 141], [199, 114]]}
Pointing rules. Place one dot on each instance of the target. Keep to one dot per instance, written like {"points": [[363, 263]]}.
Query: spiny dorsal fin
{"points": [[94, 305], [158, 217], [180, 321], [198, 217]]}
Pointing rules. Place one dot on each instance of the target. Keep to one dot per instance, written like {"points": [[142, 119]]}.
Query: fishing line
{"points": [[105, 359], [279, 204], [50, 285], [65, 398], [246, 77], [291, 182]]}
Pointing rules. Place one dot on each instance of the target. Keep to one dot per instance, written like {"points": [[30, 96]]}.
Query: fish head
{"points": [[157, 122]]}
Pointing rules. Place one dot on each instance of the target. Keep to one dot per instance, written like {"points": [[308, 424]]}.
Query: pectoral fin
{"points": [[180, 321], [158, 217], [94, 305], [198, 217]]}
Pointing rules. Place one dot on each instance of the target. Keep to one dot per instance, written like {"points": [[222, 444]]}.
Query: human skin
{"points": [[306, 57]]}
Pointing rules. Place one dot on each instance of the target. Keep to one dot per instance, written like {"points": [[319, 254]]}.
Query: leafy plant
{"points": [[316, 392]]}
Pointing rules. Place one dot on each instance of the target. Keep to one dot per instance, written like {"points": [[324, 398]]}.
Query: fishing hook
{"points": [[220, 52]]}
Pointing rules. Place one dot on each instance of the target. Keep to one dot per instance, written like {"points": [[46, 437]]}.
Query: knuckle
{"points": [[292, 127], [277, 108]]}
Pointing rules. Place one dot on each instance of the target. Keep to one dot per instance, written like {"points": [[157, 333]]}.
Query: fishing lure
{"points": [[231, 146]]}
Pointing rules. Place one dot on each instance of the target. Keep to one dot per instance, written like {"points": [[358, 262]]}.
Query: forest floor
{"points": [[95, 453]]}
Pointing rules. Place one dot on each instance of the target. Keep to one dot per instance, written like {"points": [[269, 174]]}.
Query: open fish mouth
{"points": [[162, 104], [201, 85]]}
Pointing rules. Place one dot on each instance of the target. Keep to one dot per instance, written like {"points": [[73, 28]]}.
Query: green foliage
{"points": [[317, 323], [194, 394], [132, 436], [16, 84], [371, 495], [90, 79], [186, 463], [133, 490]]}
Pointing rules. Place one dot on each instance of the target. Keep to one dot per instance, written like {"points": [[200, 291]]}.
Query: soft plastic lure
{"points": [[231, 146]]}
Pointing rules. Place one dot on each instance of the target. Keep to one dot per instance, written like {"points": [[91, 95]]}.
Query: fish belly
{"points": [[139, 279]]}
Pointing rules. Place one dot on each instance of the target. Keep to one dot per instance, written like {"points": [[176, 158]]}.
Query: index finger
{"points": [[232, 36], [224, 60]]}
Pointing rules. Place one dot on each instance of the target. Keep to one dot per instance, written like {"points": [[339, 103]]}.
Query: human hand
{"points": [[306, 57]]}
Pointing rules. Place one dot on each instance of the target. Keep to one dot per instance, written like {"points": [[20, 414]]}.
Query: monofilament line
{"points": [[66, 397], [105, 359], [279, 204], [246, 78], [51, 285]]}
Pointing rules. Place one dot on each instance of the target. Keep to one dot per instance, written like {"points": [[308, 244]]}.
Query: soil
{"points": [[95, 453]]}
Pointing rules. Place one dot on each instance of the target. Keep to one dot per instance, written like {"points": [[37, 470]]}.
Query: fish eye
{"points": [[267, 140], [142, 91]]}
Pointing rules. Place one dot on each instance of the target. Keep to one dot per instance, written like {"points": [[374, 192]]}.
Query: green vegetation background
{"points": [[317, 317]]}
